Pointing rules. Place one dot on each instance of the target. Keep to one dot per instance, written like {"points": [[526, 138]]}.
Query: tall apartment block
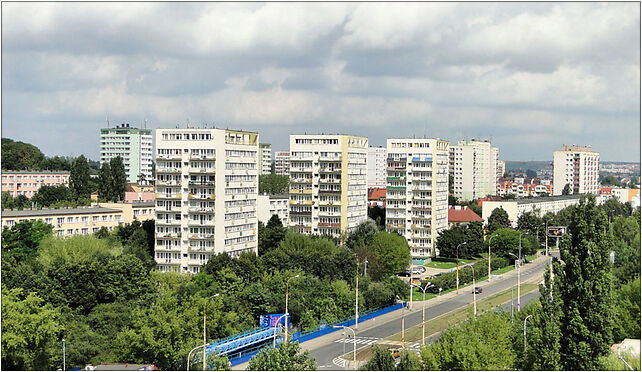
{"points": [[282, 163], [473, 166], [266, 158], [417, 192], [577, 166], [376, 167], [133, 145], [501, 168], [328, 191], [207, 188]]}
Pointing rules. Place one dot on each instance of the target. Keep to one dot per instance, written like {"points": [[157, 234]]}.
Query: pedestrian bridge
{"points": [[245, 340]]}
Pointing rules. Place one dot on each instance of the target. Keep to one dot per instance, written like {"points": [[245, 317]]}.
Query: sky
{"points": [[530, 77]]}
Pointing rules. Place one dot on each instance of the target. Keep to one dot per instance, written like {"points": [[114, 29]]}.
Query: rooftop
{"points": [[57, 211], [36, 172], [459, 213], [376, 194], [544, 199]]}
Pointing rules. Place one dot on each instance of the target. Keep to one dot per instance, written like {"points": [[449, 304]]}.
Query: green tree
{"points": [[362, 234], [20, 155], [567, 190], [409, 361], [626, 311], [391, 255], [23, 238], [286, 357], [610, 181], [273, 184], [546, 343], [531, 223], [29, 328], [47, 196], [614, 208], [271, 235], [531, 173], [381, 360], [378, 214], [56, 163], [506, 241], [498, 219], [79, 178], [118, 177], [105, 183]]}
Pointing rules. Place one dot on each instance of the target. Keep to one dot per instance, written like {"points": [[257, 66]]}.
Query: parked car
{"points": [[395, 353], [416, 271], [404, 273], [477, 290]]}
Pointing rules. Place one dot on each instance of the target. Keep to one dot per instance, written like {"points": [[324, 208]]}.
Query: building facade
{"points": [[473, 166], [266, 158], [134, 211], [522, 189], [577, 166], [206, 194], [269, 205], [376, 167], [540, 206], [417, 192], [501, 168], [27, 183], [133, 145], [282, 163], [68, 221], [328, 190]]}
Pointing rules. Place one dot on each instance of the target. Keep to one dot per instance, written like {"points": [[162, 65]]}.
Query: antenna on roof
{"points": [[107, 119], [145, 123], [188, 123], [424, 131]]}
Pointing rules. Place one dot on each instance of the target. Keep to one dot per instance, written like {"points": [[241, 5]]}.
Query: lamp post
{"points": [[354, 338], [489, 239], [474, 293], [530, 316], [191, 351], [287, 315], [64, 356], [276, 324], [423, 312], [204, 326], [519, 266], [464, 243]]}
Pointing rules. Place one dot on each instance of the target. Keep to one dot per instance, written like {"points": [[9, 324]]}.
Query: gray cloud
{"points": [[531, 76]]}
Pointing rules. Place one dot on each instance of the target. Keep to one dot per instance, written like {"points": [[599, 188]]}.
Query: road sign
{"points": [[556, 231]]}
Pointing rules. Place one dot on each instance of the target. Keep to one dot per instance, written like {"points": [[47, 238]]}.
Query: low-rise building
{"points": [[27, 183], [137, 192], [623, 195], [461, 215], [541, 206], [68, 221], [134, 211], [377, 197], [269, 205], [523, 187]]}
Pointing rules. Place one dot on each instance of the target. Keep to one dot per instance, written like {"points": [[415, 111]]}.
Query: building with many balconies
{"points": [[266, 158], [417, 192], [328, 175], [282, 163], [578, 167], [133, 145], [376, 167], [473, 166], [206, 193]]}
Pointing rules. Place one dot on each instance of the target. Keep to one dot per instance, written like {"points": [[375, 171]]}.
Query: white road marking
{"points": [[339, 362]]}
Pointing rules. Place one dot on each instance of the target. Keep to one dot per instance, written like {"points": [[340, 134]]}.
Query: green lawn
{"points": [[448, 263]]}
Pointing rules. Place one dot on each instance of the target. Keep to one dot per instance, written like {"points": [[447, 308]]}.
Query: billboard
{"points": [[270, 320], [556, 231]]}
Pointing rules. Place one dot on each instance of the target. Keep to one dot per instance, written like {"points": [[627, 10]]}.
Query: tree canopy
{"points": [[286, 357], [498, 219], [273, 184]]}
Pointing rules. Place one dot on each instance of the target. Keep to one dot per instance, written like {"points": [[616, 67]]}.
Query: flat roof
{"points": [[281, 196], [35, 172], [57, 211], [543, 199], [143, 203]]}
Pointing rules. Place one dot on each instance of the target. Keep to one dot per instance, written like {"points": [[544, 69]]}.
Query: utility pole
{"points": [[64, 356], [356, 303]]}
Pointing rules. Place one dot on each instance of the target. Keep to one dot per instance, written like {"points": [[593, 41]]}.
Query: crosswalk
{"points": [[339, 362], [360, 340]]}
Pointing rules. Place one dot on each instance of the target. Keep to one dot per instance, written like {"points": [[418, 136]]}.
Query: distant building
{"points": [[541, 206], [578, 167], [501, 168], [27, 183], [376, 167], [68, 221], [473, 166], [266, 158], [270, 205], [136, 192], [622, 195], [461, 215], [282, 163], [377, 197], [133, 145], [134, 211], [523, 187]]}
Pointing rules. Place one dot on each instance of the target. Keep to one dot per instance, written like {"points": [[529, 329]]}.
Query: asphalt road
{"points": [[325, 353]]}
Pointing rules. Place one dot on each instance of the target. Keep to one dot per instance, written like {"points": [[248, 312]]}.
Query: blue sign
{"points": [[270, 320]]}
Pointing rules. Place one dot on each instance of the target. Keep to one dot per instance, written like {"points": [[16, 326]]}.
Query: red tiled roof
{"points": [[462, 214], [376, 194]]}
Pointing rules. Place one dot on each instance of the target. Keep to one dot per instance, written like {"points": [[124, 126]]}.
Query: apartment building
{"points": [[133, 145], [68, 221], [328, 176], [501, 168], [266, 158], [134, 211], [516, 207], [417, 192], [27, 183], [522, 188], [282, 163], [577, 166], [207, 186], [473, 166], [376, 167], [270, 205]]}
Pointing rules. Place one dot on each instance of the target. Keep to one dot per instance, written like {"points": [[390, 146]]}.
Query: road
{"points": [[326, 348]]}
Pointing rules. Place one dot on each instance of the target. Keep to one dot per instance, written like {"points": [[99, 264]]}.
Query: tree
{"points": [[450, 239], [29, 328], [506, 241], [23, 238], [20, 155], [273, 184], [614, 208], [409, 361], [47, 196], [567, 189], [378, 214], [271, 235], [362, 234], [546, 342], [610, 181], [498, 219], [531, 223], [381, 360], [79, 178], [585, 288], [286, 357], [105, 183], [56, 163], [626, 309], [118, 177], [531, 173], [391, 253]]}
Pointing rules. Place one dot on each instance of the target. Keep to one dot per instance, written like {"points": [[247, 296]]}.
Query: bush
{"points": [[449, 280]]}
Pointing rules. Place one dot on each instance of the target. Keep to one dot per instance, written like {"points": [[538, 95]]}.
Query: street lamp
{"points": [[423, 312], [354, 338], [287, 283], [519, 266], [530, 316], [489, 239], [191, 351], [464, 243], [204, 326], [474, 293], [276, 324], [64, 356]]}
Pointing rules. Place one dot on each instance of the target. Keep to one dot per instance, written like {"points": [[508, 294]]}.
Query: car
{"points": [[404, 273], [416, 271], [395, 353], [477, 290]]}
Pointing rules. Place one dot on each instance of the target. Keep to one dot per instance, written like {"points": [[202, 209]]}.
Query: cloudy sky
{"points": [[528, 76]]}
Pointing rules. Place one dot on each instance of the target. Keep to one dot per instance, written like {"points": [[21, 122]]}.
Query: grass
{"points": [[611, 362], [448, 263]]}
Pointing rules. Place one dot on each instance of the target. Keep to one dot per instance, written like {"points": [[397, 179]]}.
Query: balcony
{"points": [[395, 225], [396, 178], [168, 170], [168, 183], [329, 224], [422, 207], [202, 170], [300, 180], [326, 203], [330, 170], [202, 157], [201, 184], [421, 217], [300, 213], [201, 237], [169, 157], [168, 222], [200, 210], [330, 180], [201, 196], [300, 202], [168, 235], [396, 187], [200, 223], [168, 196], [298, 191]]}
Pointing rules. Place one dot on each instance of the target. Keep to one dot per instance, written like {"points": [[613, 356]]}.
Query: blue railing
{"points": [[240, 342]]}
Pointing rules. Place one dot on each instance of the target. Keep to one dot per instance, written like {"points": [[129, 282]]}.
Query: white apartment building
{"points": [[376, 167], [133, 145], [501, 168], [266, 158], [578, 167], [269, 205], [540, 206], [282, 163], [473, 166], [328, 175], [417, 192], [206, 192]]}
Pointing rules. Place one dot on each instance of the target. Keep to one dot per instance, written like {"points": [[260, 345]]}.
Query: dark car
{"points": [[477, 290], [404, 273]]}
